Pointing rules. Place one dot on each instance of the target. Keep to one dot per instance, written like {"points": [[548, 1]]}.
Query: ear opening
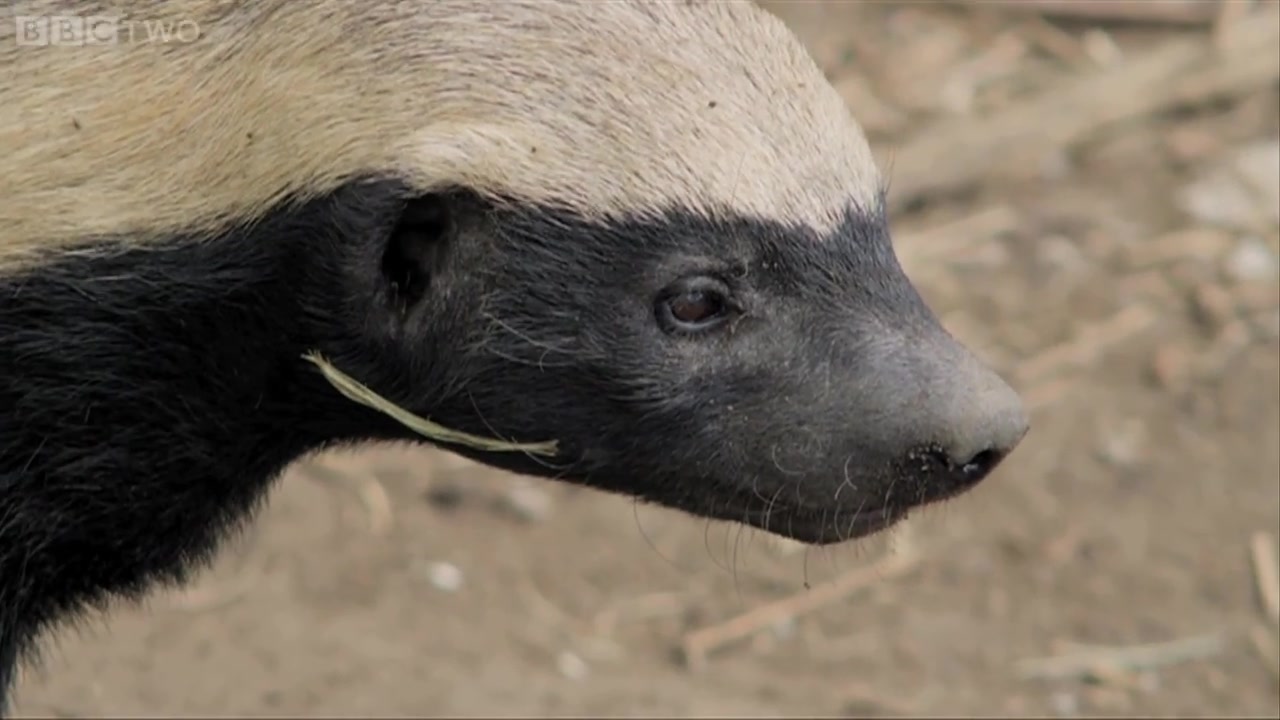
{"points": [[417, 247]]}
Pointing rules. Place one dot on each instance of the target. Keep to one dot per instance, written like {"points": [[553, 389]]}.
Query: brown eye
{"points": [[692, 305]]}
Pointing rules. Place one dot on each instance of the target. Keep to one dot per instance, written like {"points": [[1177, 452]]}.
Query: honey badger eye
{"points": [[692, 305]]}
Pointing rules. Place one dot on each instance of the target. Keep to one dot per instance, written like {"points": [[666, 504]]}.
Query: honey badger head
{"points": [[686, 279], [648, 231]]}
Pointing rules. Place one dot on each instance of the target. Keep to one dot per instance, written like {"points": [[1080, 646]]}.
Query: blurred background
{"points": [[1087, 193]]}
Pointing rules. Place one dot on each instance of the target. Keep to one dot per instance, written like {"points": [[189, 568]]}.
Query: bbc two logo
{"points": [[80, 30]]}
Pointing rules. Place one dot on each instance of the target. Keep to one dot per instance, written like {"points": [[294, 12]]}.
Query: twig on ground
{"points": [[377, 503], [1265, 644], [1102, 662], [1011, 144], [1057, 42], [212, 596], [697, 645], [1086, 347], [362, 483], [1229, 15], [1266, 573], [1199, 244], [1177, 12], [957, 238], [644, 607]]}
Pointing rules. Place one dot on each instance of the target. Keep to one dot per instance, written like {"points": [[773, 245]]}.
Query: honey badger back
{"points": [[649, 231]]}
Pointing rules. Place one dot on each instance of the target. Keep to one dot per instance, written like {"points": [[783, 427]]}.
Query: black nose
{"points": [[984, 462], [954, 474], [974, 421]]}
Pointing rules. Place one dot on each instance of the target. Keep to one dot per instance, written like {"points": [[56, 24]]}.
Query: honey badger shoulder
{"points": [[485, 213]]}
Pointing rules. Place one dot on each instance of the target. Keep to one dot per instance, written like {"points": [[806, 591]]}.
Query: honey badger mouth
{"points": [[929, 480], [827, 527]]}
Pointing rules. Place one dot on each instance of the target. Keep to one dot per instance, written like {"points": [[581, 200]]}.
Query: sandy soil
{"points": [[1114, 277]]}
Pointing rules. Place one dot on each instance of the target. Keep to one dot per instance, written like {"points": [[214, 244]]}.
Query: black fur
{"points": [[148, 397]]}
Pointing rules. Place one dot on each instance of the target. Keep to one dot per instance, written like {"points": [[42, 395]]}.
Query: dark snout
{"points": [[916, 420], [961, 421]]}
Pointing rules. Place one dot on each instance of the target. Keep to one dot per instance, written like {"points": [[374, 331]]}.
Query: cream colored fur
{"points": [[603, 106]]}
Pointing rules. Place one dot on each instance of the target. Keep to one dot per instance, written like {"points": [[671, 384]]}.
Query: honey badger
{"points": [[650, 232]]}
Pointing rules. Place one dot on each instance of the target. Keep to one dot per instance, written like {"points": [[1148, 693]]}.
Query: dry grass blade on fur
{"points": [[357, 392]]}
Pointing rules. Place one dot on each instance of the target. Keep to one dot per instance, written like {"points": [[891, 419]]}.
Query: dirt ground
{"points": [[1089, 203]]}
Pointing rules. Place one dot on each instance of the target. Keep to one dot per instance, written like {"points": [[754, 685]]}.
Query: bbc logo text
{"points": [[80, 30]]}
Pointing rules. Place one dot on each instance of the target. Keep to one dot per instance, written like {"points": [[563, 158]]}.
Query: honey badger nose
{"points": [[986, 428], [974, 420]]}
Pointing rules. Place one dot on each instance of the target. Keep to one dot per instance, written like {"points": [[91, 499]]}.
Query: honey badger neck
{"points": [[148, 396]]}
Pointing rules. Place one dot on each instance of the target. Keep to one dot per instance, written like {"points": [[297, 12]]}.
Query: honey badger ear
{"points": [[417, 247]]}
